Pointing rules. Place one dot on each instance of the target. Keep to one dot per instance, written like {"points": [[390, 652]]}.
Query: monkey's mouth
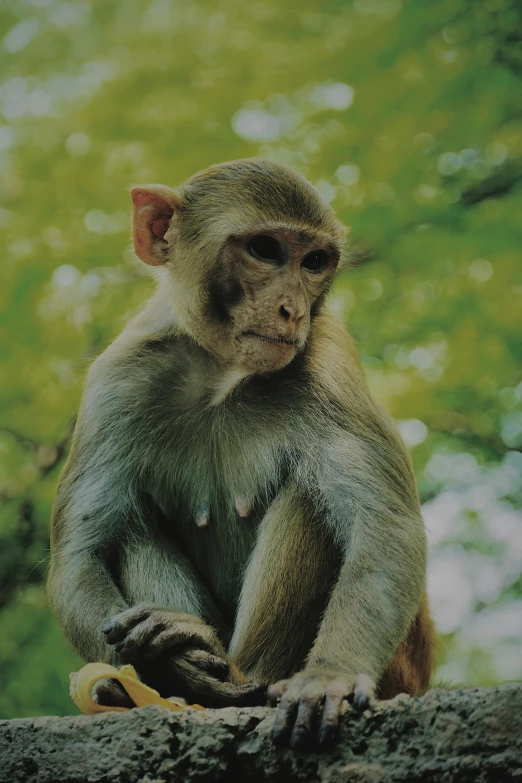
{"points": [[293, 342]]}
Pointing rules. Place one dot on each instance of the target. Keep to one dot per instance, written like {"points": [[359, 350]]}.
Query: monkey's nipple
{"points": [[243, 507], [202, 514]]}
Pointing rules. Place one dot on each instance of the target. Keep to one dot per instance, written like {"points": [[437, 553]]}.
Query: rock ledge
{"points": [[461, 736]]}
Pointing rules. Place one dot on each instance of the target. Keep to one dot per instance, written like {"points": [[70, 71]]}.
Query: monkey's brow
{"points": [[310, 237], [303, 235]]}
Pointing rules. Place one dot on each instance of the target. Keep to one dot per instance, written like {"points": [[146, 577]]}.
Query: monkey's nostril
{"points": [[285, 313]]}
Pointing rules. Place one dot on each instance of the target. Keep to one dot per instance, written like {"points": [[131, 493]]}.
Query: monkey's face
{"points": [[263, 293], [251, 250]]}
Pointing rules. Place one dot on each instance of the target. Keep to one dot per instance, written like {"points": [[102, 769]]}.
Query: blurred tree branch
{"points": [[14, 553], [505, 178], [15, 568]]}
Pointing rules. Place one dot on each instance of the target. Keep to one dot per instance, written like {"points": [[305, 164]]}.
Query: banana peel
{"points": [[82, 682]]}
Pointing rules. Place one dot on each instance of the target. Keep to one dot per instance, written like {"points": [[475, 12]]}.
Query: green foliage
{"points": [[408, 118]]}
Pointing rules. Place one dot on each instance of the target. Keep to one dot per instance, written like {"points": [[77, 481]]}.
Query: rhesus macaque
{"points": [[237, 513]]}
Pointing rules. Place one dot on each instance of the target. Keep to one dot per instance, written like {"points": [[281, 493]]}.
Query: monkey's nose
{"points": [[291, 312]]}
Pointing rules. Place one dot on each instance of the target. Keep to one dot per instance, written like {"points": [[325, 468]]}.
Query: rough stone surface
{"points": [[473, 735]]}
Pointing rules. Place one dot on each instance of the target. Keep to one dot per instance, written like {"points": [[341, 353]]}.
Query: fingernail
{"points": [[298, 740], [278, 735], [325, 737], [360, 703], [107, 628], [119, 646]]}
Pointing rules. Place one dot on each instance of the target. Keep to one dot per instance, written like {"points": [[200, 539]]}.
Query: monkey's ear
{"points": [[154, 206]]}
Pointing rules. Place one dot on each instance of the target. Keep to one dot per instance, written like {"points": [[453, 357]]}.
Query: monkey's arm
{"points": [[371, 507], [100, 516], [366, 503], [89, 513], [86, 593], [159, 626], [82, 596], [111, 570]]}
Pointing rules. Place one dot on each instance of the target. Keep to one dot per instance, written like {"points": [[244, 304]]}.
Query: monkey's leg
{"points": [[83, 596], [410, 669], [285, 591]]}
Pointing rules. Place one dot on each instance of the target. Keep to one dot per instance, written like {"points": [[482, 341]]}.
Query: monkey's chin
{"points": [[263, 355]]}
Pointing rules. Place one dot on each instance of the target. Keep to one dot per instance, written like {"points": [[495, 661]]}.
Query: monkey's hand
{"points": [[144, 632], [312, 701], [179, 655]]}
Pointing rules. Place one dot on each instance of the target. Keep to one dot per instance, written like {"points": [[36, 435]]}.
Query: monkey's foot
{"points": [[109, 693]]}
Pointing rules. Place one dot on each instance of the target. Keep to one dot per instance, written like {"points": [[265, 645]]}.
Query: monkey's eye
{"points": [[265, 248], [315, 261]]}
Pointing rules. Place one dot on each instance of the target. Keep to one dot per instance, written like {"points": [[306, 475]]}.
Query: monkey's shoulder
{"points": [[135, 360]]}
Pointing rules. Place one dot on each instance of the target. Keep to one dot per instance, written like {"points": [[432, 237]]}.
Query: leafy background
{"points": [[407, 116]]}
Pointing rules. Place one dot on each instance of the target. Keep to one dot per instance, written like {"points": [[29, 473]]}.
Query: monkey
{"points": [[238, 517]]}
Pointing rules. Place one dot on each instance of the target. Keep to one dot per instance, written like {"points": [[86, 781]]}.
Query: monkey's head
{"points": [[250, 250]]}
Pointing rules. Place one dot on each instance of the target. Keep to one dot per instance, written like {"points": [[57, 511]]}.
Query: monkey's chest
{"points": [[217, 489]]}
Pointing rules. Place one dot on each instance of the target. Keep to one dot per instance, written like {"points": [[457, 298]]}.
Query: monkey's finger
{"points": [[309, 702], [363, 692], [215, 666], [276, 691], [122, 623], [174, 638], [284, 717], [330, 717], [134, 646]]}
